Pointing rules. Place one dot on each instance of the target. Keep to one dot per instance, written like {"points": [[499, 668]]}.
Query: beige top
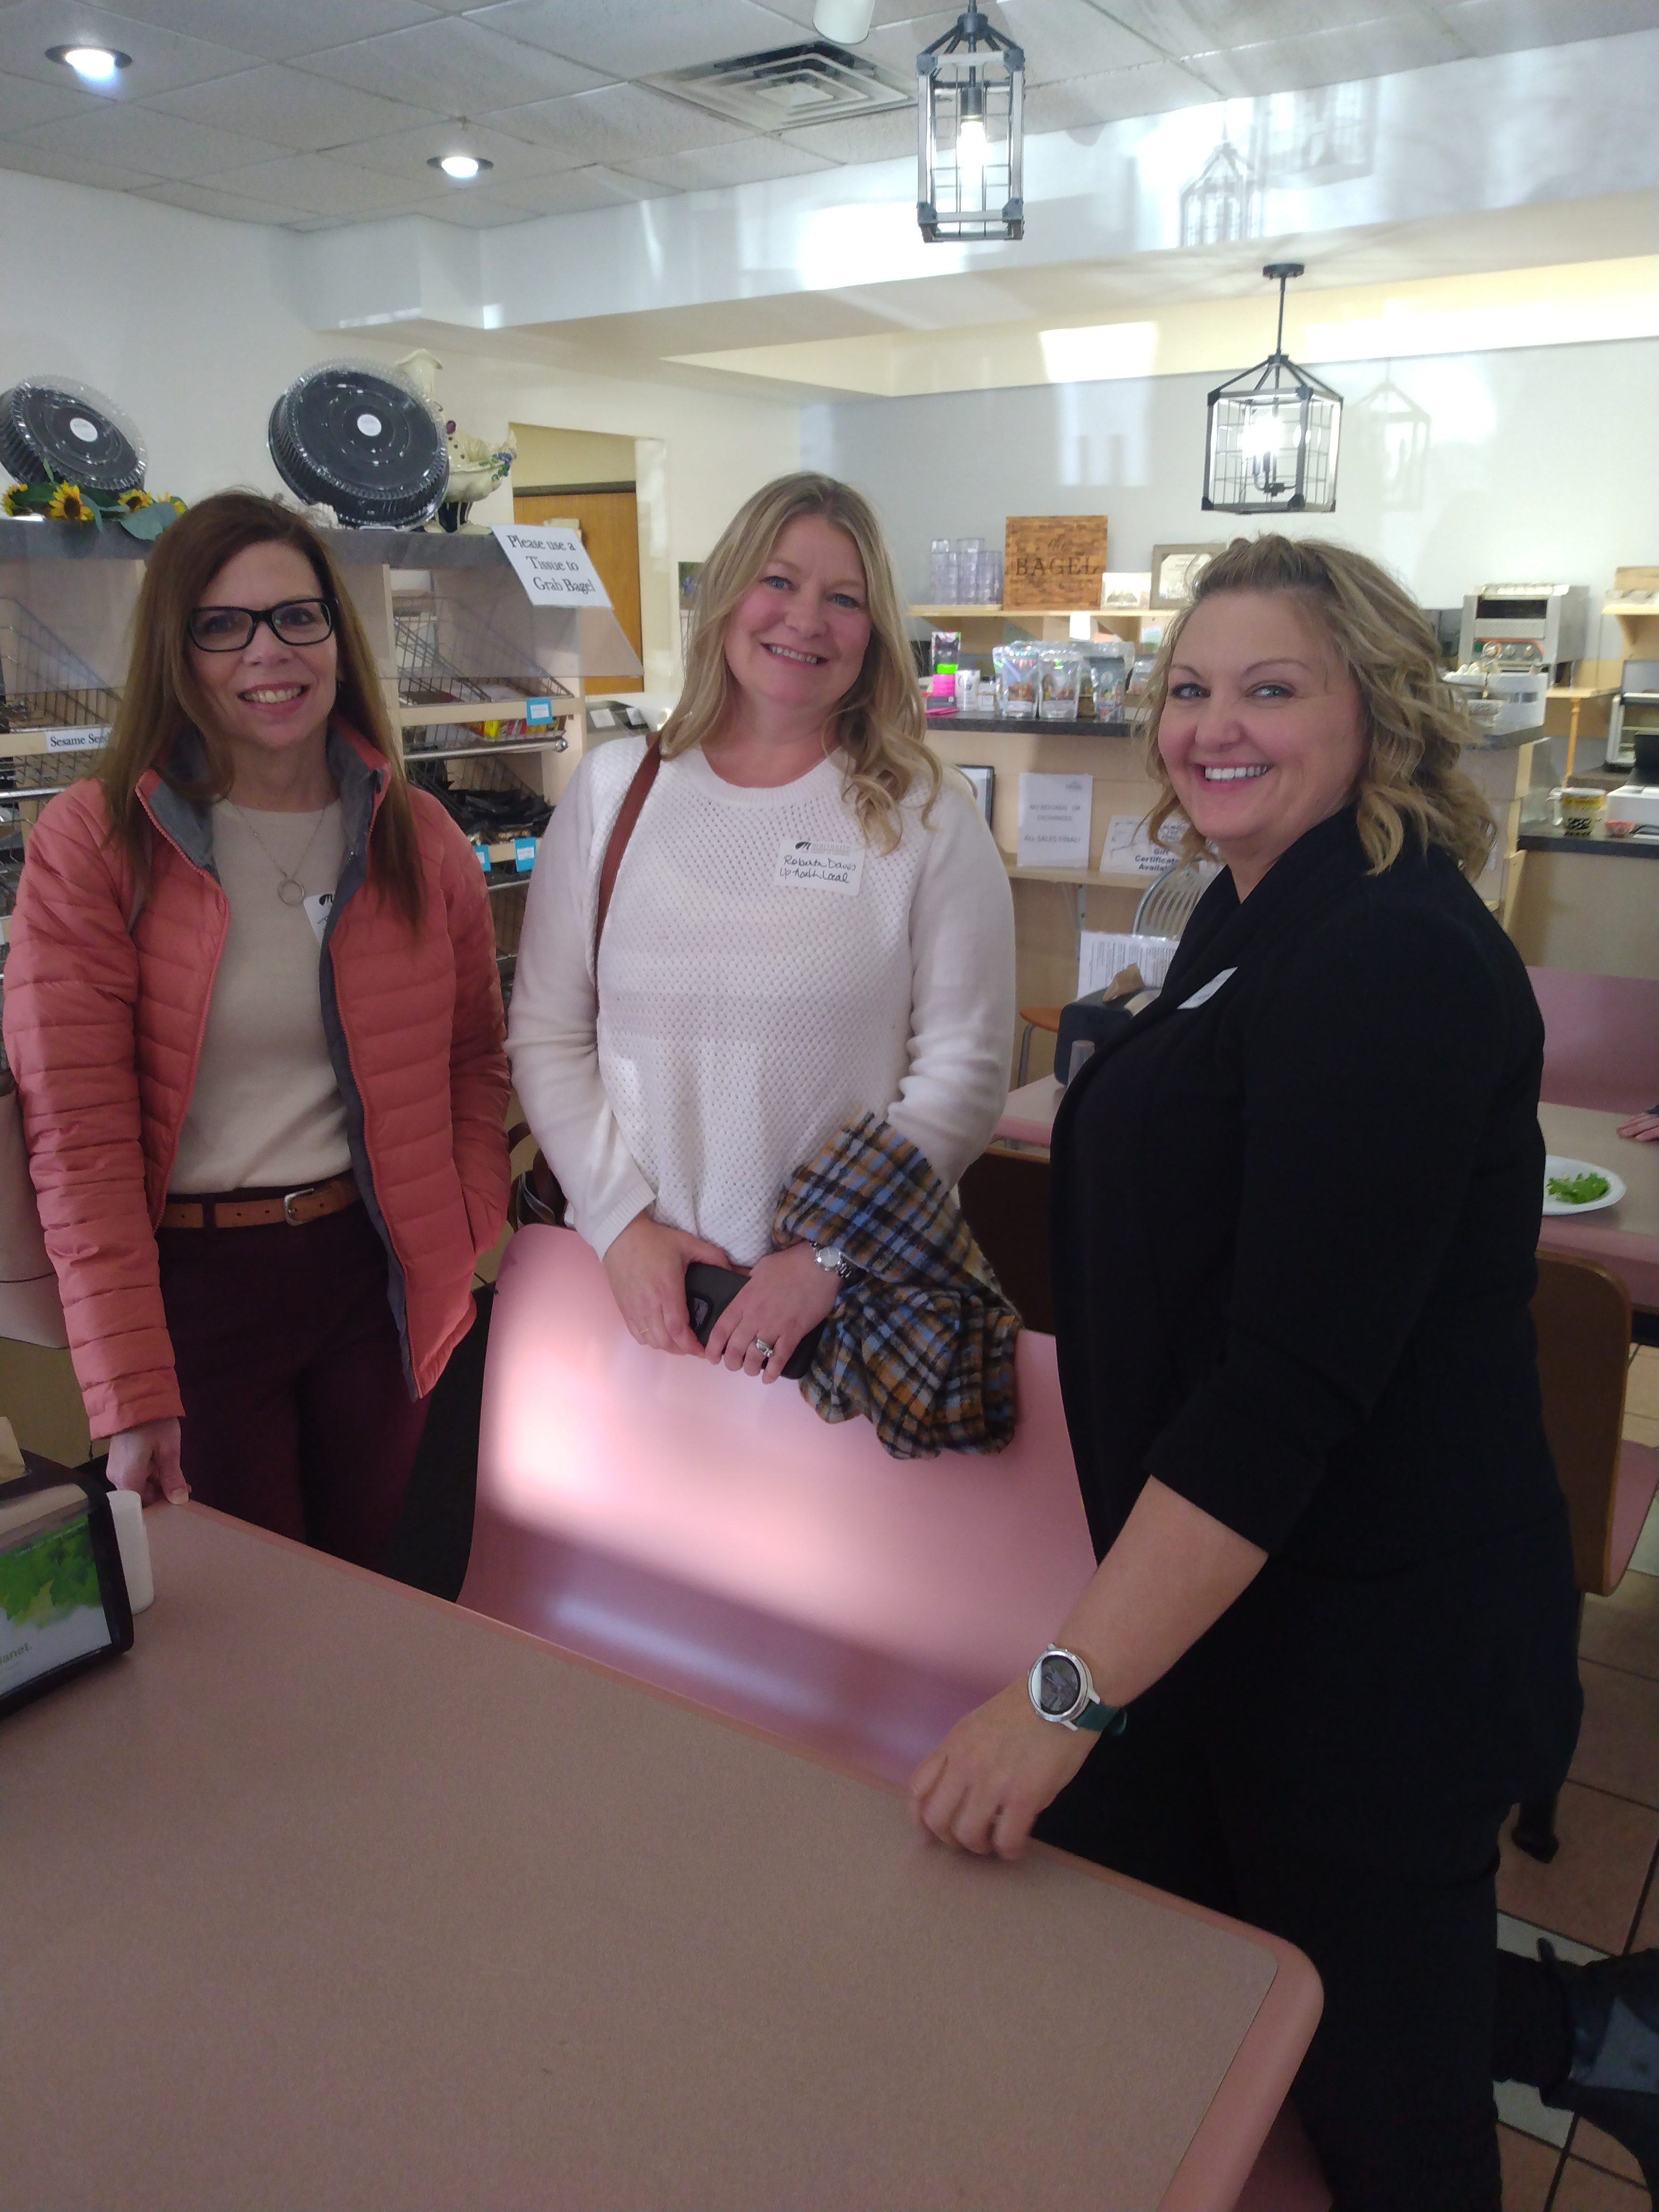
{"points": [[265, 1111]]}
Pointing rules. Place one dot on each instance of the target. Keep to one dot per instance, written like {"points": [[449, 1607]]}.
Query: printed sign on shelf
{"points": [[1053, 820], [538, 713], [1131, 849], [85, 737], [550, 563], [523, 854]]}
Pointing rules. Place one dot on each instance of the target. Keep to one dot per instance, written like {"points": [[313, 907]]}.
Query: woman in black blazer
{"points": [[1295, 1211]]}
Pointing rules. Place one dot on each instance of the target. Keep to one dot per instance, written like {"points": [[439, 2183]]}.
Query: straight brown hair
{"points": [[162, 701]]}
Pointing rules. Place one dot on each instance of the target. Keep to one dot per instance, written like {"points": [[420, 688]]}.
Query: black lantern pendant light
{"points": [[969, 90], [1271, 447]]}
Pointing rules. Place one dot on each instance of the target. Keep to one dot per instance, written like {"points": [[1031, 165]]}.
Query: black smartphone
{"points": [[709, 1291]]}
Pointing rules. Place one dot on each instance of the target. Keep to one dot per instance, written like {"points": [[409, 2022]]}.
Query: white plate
{"points": [[1556, 1165]]}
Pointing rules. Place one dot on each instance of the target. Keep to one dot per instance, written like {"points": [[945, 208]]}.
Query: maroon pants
{"points": [[297, 1416]]}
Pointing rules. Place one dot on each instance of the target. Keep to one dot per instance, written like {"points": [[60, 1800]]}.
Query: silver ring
{"points": [[761, 1346]]}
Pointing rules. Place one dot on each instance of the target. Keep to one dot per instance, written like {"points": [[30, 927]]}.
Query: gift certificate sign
{"points": [[551, 564], [1131, 850], [1053, 820]]}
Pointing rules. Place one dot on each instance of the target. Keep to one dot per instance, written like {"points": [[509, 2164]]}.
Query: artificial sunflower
{"points": [[16, 499], [132, 500], [69, 503]]}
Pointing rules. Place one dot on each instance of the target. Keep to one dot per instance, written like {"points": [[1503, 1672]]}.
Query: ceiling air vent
{"points": [[794, 85]]}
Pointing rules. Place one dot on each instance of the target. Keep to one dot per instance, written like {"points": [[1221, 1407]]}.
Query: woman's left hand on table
{"points": [[787, 1293], [1643, 1128], [996, 1770]]}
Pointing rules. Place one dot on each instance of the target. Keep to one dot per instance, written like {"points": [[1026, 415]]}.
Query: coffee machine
{"points": [[1552, 618]]}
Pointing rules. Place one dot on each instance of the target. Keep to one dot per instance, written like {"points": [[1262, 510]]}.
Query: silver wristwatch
{"points": [[1062, 1690], [833, 1260]]}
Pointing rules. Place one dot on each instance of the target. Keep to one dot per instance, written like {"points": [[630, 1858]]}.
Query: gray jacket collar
{"points": [[189, 822]]}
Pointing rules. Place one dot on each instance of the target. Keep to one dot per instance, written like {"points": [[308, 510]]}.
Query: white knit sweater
{"points": [[746, 1006]]}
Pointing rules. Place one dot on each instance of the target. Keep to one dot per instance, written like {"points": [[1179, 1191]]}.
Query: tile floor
{"points": [[1600, 1894]]}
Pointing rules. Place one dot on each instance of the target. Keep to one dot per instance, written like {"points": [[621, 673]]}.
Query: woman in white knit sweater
{"points": [[809, 923]]}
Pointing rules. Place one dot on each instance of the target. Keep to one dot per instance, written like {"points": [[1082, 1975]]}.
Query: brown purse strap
{"points": [[633, 799]]}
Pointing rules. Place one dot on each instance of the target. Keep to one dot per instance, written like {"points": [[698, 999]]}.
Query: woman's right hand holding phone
{"points": [[646, 1265]]}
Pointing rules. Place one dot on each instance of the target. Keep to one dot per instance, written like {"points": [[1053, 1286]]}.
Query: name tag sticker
{"points": [[804, 865], [1201, 998], [318, 908]]}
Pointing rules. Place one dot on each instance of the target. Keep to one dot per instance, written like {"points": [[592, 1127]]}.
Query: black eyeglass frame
{"points": [[255, 616]]}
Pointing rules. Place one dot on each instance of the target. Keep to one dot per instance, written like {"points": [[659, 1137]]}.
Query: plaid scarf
{"points": [[921, 1339]]}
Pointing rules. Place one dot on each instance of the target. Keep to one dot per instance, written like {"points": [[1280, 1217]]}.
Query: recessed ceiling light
{"points": [[461, 167], [98, 64]]}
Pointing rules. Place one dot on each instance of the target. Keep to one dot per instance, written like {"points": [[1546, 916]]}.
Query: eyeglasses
{"points": [[229, 630]]}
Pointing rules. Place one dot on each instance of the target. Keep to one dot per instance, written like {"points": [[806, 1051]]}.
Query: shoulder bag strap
{"points": [[633, 801]]}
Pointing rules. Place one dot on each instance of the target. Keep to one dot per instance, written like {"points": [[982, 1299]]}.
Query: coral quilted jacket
{"points": [[105, 1011]]}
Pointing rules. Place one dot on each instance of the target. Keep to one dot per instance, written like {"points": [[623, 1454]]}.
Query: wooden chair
{"points": [[1005, 1197], [1582, 1315]]}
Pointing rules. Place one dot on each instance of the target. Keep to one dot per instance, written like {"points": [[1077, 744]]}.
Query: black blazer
{"points": [[1295, 1210]]}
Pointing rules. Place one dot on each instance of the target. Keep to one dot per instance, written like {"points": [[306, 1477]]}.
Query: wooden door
{"points": [[610, 524]]}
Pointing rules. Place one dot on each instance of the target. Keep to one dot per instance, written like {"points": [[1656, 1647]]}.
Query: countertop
{"points": [[1598, 845]]}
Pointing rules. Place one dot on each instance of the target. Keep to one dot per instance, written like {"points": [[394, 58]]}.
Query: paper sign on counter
{"points": [[1053, 820], [551, 564]]}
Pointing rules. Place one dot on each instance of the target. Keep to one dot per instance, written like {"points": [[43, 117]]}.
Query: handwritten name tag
{"points": [[1200, 997], [804, 865]]}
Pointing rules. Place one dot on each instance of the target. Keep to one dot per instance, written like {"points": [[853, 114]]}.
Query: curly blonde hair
{"points": [[879, 724], [1415, 727]]}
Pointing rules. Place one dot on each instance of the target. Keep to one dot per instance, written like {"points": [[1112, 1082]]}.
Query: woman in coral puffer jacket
{"points": [[252, 1009]]}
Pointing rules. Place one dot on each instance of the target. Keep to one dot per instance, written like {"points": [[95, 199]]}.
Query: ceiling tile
{"points": [[276, 30], [573, 192], [1070, 37], [614, 124], [887, 12], [161, 60], [1361, 50], [861, 137], [407, 154], [318, 183], [1113, 96], [131, 138], [1501, 27], [208, 199], [1197, 27], [24, 101], [745, 161], [291, 107], [634, 37], [454, 64], [52, 161], [1059, 39]]}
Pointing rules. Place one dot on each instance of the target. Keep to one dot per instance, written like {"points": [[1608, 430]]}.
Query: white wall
{"points": [[184, 321], [1541, 463]]}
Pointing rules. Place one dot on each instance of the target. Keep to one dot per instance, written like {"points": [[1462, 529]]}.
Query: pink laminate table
{"points": [[333, 1895], [1624, 1237]]}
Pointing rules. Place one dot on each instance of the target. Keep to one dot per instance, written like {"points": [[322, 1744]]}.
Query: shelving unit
{"points": [[456, 642]]}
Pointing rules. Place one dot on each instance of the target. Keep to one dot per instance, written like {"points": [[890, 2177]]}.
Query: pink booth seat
{"points": [[1601, 1039], [1633, 1498], [711, 1536]]}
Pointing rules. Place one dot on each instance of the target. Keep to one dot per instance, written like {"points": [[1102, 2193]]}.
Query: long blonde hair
{"points": [[162, 700], [1412, 779], [879, 724]]}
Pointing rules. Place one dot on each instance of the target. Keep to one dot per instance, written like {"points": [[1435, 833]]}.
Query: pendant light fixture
{"points": [[969, 92], [1271, 445]]}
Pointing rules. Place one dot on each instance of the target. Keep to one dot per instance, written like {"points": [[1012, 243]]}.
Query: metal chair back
{"points": [[1166, 908]]}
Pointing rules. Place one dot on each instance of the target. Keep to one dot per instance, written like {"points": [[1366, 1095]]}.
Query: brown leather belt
{"points": [[309, 1203]]}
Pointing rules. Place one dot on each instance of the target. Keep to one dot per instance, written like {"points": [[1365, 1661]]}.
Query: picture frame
{"points": [[1175, 569]]}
